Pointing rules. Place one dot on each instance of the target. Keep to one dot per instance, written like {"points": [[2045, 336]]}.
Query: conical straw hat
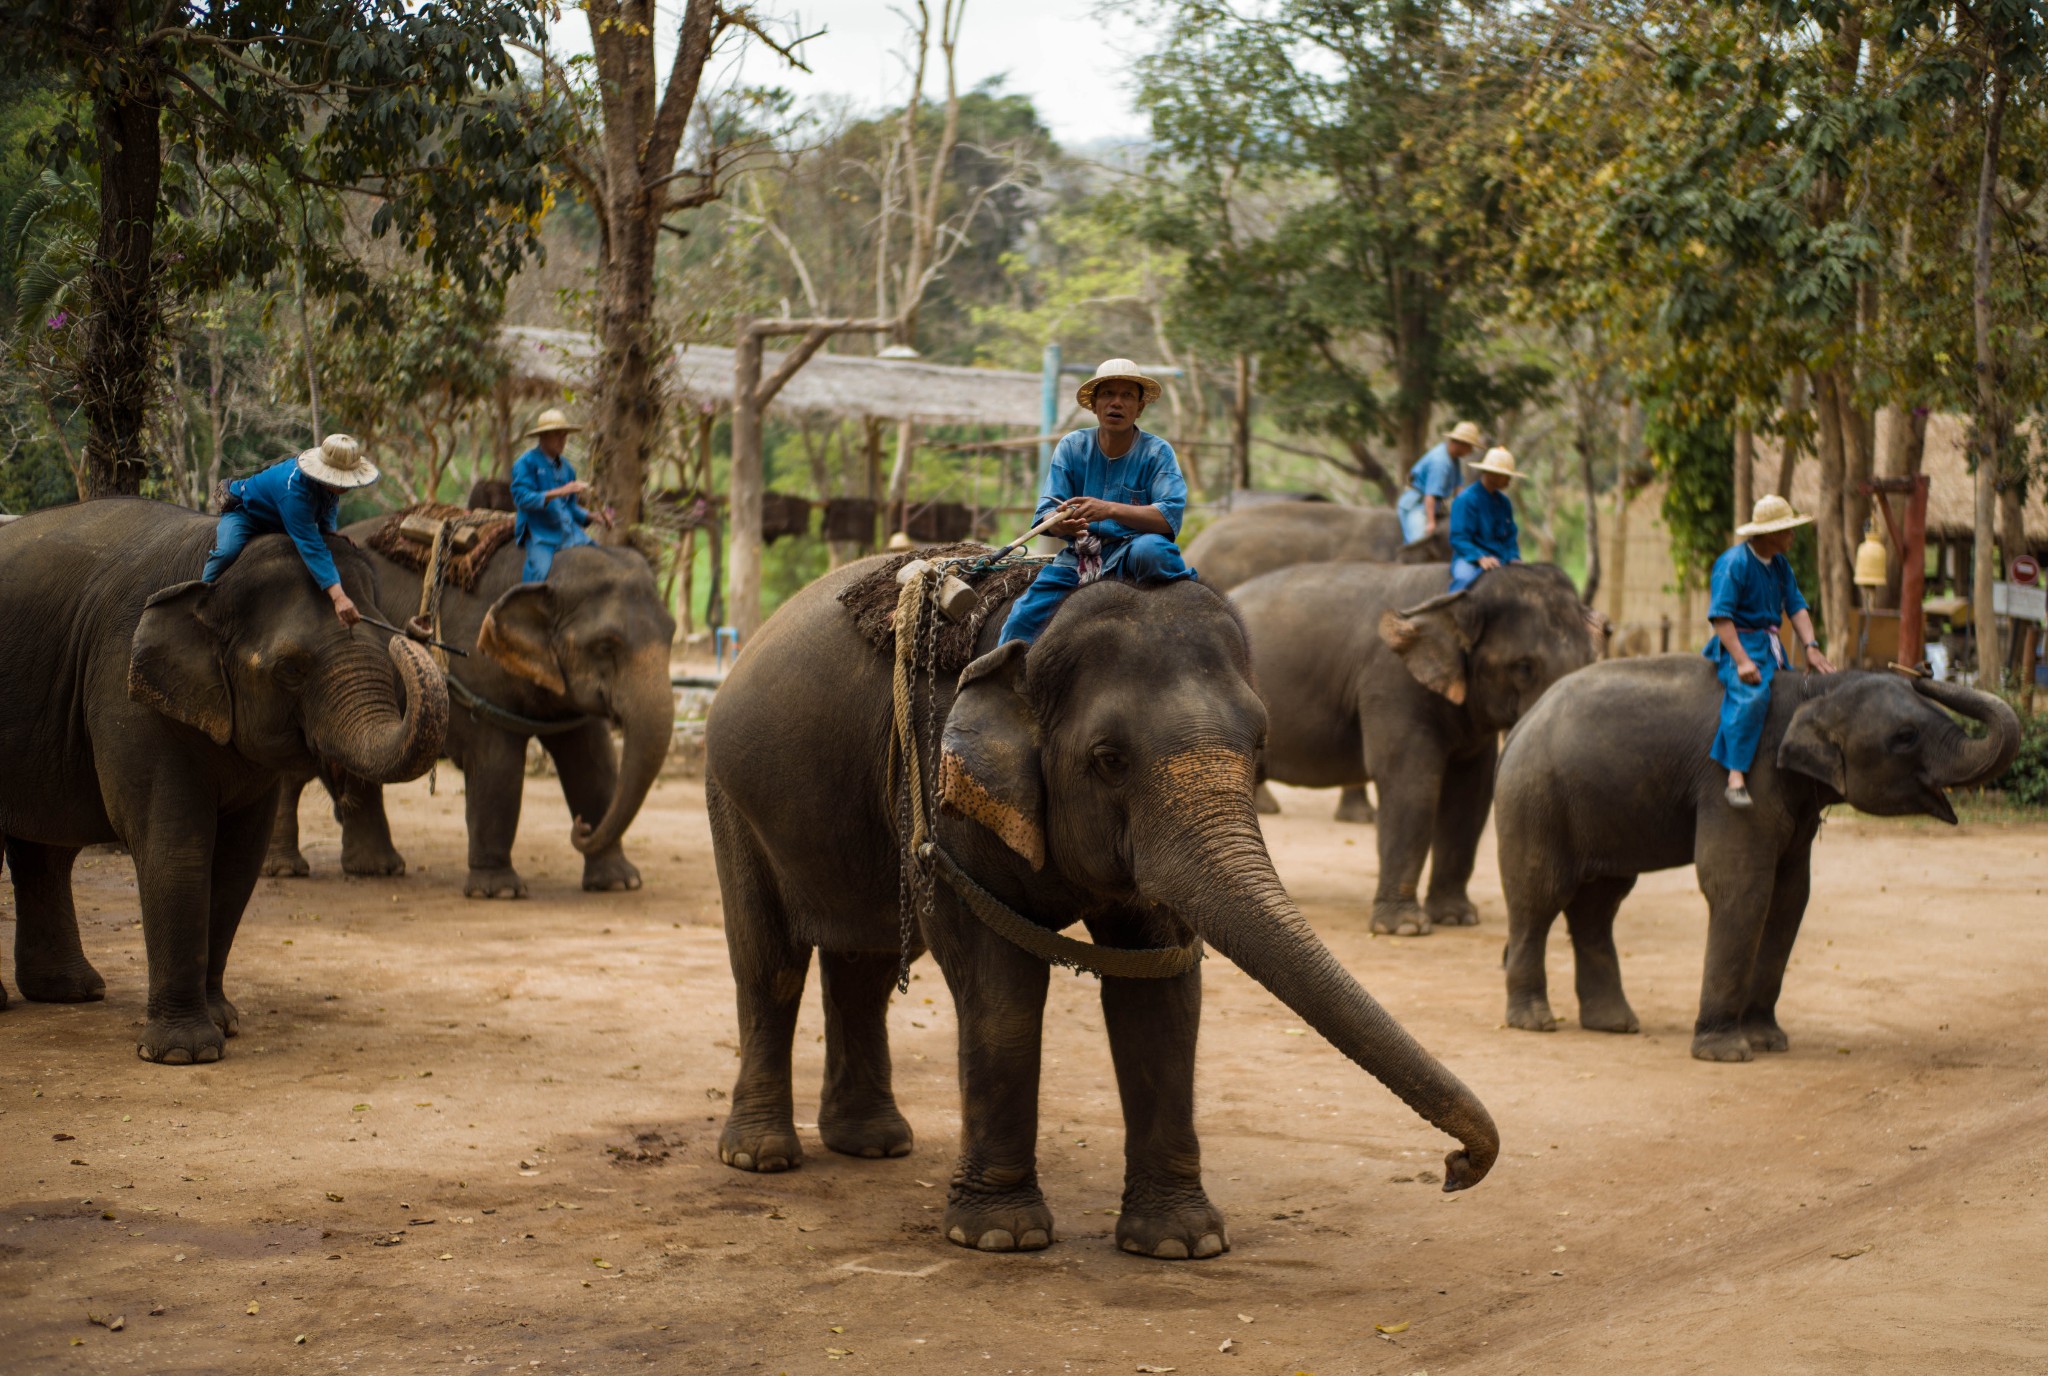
{"points": [[338, 462], [1772, 513], [1499, 461]]}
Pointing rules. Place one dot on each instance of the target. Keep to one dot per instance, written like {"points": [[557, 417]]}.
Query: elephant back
{"points": [[406, 537]]}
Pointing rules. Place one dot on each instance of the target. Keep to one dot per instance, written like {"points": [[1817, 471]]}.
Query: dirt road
{"points": [[459, 1136]]}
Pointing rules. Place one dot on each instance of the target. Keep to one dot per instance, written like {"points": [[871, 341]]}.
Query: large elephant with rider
{"points": [[1238, 547], [1103, 776], [1373, 671], [142, 707], [563, 661], [1610, 778]]}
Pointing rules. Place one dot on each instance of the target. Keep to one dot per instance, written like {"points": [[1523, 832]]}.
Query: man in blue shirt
{"points": [[299, 497], [1752, 590], [1433, 482], [1483, 531], [544, 492], [1120, 495]]}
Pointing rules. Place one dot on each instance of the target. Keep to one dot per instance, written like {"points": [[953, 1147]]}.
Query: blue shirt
{"points": [[1146, 475], [1435, 474], [283, 498], [1482, 524], [1753, 594], [550, 521]]}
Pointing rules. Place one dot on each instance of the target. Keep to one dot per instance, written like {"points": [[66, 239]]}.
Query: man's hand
{"points": [[1086, 509], [609, 517], [343, 607], [1749, 673], [574, 488], [1817, 661], [1487, 561]]}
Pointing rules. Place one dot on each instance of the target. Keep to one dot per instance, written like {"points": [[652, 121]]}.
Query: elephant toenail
{"points": [[872, 1153], [209, 1053], [1033, 1239], [997, 1240], [743, 1159], [177, 1055], [1131, 1244], [1173, 1249], [1209, 1246], [900, 1149], [774, 1163], [958, 1234]]}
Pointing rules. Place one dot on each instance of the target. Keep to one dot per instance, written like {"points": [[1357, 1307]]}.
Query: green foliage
{"points": [[2026, 783], [1695, 457]]}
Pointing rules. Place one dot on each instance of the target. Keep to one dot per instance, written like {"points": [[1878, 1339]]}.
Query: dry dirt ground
{"points": [[457, 1135]]}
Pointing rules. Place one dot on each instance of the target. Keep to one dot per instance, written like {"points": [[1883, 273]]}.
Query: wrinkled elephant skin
{"points": [[1241, 545]]}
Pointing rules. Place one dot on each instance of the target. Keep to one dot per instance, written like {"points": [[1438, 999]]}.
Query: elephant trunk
{"points": [[357, 720], [644, 710], [1980, 761], [1209, 862]]}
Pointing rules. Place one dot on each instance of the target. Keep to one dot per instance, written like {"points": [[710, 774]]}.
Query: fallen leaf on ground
{"points": [[1245, 1318], [333, 1198], [113, 1325], [62, 1137], [1158, 1368], [1401, 1327], [253, 1307], [1227, 1344], [600, 1263], [299, 1341], [1852, 1252]]}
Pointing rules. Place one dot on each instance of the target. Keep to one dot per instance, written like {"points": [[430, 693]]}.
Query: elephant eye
{"points": [[1905, 738], [1109, 762], [292, 670]]}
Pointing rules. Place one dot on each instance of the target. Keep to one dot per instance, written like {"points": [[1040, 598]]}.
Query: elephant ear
{"points": [[174, 662], [1434, 641], [519, 634], [1813, 747], [988, 758]]}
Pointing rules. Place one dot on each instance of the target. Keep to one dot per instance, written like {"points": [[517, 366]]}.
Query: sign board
{"points": [[2025, 570], [2019, 603]]}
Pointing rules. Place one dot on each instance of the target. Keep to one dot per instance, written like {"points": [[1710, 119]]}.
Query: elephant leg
{"points": [[285, 860], [1781, 928], [1355, 805], [494, 775], [1461, 807], [366, 847], [1152, 1027], [240, 842], [173, 871], [49, 964], [1533, 905], [1590, 915], [589, 771], [768, 970], [1410, 781], [857, 1113], [1264, 801], [1739, 902]]}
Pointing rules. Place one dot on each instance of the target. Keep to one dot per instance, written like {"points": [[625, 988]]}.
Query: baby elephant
{"points": [[1609, 778]]}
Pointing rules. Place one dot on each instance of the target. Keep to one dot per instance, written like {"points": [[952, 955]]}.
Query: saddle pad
{"points": [[871, 602], [493, 529]]}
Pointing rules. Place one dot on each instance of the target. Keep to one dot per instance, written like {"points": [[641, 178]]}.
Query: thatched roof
{"points": [[552, 362], [1951, 488]]}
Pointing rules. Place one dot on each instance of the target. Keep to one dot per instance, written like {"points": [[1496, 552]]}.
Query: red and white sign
{"points": [[2025, 571]]}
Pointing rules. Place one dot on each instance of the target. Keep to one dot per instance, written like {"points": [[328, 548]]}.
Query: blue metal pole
{"points": [[1049, 413]]}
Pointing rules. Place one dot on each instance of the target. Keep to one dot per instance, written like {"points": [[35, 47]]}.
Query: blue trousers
{"points": [[1409, 509], [540, 556], [236, 529], [1142, 559], [1743, 706]]}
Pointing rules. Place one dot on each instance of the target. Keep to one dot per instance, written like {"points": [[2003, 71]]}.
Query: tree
{"points": [[261, 104]]}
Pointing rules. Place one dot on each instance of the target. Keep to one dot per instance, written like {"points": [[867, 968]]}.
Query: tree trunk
{"points": [[1241, 425], [626, 402], [1745, 472], [1582, 441], [1990, 421], [743, 506], [899, 476], [1837, 588], [120, 335]]}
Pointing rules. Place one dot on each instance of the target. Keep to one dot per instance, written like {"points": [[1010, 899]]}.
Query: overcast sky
{"points": [[1075, 70]]}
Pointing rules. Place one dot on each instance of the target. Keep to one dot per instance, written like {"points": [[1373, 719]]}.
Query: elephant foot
{"points": [[1608, 1014], [1015, 1220], [74, 982], [371, 860], [183, 1042], [767, 1148], [1729, 1044], [225, 1015], [1458, 911], [286, 864], [609, 873], [873, 1134], [1764, 1034], [1353, 805], [1399, 917], [1264, 801], [1173, 1221], [1532, 1015], [3, 998], [501, 882]]}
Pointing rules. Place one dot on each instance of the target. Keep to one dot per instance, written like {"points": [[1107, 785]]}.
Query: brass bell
{"points": [[1870, 564]]}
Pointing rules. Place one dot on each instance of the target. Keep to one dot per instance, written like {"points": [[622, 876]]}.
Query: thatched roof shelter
{"points": [[552, 362]]}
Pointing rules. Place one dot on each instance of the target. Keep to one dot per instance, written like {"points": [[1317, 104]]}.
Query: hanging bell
{"points": [[1870, 564]]}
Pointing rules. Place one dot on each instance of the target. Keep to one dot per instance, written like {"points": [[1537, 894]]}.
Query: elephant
{"points": [[1609, 778], [139, 706], [1103, 775], [1373, 671], [564, 660], [1240, 546]]}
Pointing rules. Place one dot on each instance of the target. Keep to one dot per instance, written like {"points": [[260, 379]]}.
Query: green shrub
{"points": [[2026, 783]]}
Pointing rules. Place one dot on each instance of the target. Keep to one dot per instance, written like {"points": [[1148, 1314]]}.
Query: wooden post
{"points": [[1745, 471], [2027, 668], [1241, 426]]}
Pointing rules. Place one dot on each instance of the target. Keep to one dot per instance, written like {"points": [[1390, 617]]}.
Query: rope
{"points": [[912, 887], [504, 718]]}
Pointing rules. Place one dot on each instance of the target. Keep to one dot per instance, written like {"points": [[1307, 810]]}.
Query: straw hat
{"points": [[552, 419], [1772, 513], [1117, 368], [1465, 432], [1499, 460], [338, 462]]}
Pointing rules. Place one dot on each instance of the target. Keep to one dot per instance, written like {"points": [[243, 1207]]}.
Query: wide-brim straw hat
{"points": [[1465, 432], [1499, 461], [1117, 368], [338, 462], [1773, 513], [552, 419]]}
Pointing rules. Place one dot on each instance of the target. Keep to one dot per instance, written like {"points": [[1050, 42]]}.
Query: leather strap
{"points": [[490, 714]]}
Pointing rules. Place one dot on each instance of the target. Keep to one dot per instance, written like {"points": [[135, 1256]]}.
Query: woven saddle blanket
{"points": [[871, 602], [463, 568]]}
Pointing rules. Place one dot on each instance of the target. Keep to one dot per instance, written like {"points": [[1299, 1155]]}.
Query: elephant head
{"points": [[260, 662], [1115, 758], [1496, 646], [1880, 742], [597, 635]]}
